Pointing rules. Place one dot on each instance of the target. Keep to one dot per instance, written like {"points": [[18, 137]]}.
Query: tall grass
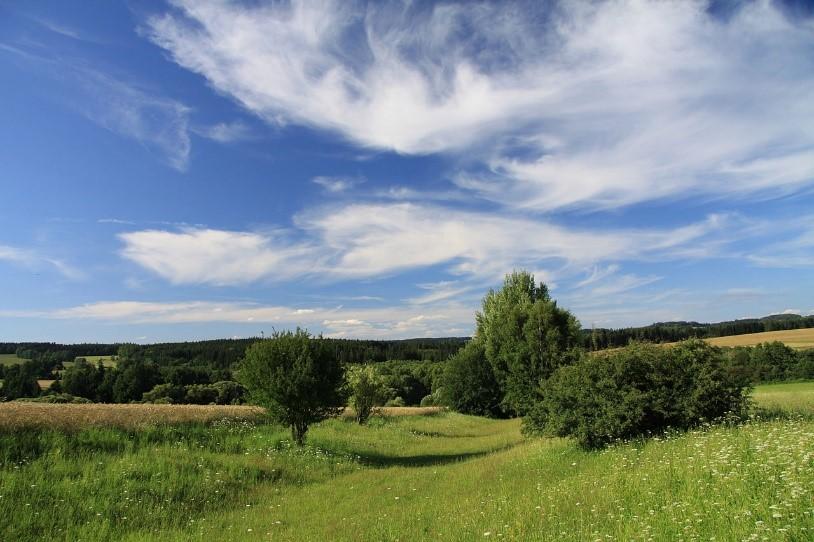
{"points": [[441, 476]]}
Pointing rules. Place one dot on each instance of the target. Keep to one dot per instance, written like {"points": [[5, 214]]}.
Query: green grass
{"points": [[107, 361], [10, 359], [796, 397], [440, 477]]}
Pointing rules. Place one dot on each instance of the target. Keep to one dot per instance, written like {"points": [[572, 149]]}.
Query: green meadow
{"points": [[442, 476], [10, 359]]}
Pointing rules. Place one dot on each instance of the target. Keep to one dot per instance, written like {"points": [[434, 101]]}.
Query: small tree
{"points": [[367, 388], [80, 380], [20, 381], [297, 379]]}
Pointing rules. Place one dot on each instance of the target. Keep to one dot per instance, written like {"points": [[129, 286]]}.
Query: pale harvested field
{"points": [[14, 415], [795, 338]]}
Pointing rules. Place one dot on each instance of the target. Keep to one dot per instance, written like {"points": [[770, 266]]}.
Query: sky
{"points": [[206, 169]]}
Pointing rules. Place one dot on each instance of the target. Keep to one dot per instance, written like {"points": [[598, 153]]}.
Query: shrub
{"points": [[396, 402], [367, 389], [200, 394], [468, 384], [636, 391], [428, 400], [165, 394], [229, 392], [297, 378], [60, 398]]}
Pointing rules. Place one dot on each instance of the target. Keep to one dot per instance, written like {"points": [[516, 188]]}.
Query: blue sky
{"points": [[190, 170]]}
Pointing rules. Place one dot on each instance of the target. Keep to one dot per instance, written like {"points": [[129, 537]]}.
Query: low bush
{"points": [[60, 398], [396, 402], [637, 391]]}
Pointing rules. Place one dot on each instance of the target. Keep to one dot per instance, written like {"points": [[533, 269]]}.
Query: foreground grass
{"points": [[431, 477]]}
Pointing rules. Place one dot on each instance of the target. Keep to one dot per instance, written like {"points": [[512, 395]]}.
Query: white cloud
{"points": [[398, 321], [623, 283], [587, 105], [376, 240], [226, 132], [440, 291], [598, 273], [796, 249], [160, 124], [126, 108], [337, 184], [198, 256], [33, 260]]}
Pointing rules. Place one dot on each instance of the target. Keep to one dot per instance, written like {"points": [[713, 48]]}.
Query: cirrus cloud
{"points": [[594, 105]]}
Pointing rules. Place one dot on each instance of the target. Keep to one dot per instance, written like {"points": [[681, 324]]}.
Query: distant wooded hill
{"points": [[223, 353]]}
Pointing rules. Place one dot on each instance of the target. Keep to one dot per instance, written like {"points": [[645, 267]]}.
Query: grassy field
{"points": [[796, 397], [429, 476], [795, 338], [107, 361], [10, 359]]}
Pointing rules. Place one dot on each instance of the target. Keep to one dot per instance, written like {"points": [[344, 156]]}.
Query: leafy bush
{"points": [[468, 384], [298, 379], [229, 392], [60, 398], [367, 389], [396, 402], [165, 394], [428, 400], [200, 394], [639, 390]]}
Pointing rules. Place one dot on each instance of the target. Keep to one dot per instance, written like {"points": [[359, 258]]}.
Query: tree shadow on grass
{"points": [[423, 460]]}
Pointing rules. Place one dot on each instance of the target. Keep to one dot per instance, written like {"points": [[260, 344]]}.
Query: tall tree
{"points": [[526, 337]]}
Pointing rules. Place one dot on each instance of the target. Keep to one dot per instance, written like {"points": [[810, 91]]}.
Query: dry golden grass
{"points": [[795, 338], [16, 415], [398, 411], [45, 384]]}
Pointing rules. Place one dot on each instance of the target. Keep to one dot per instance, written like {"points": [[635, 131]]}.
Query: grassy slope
{"points": [[443, 477]]}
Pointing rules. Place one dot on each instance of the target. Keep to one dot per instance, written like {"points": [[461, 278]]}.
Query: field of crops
{"points": [[433, 476], [795, 338]]}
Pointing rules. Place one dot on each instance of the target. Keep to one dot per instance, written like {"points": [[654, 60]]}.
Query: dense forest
{"points": [[223, 353]]}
